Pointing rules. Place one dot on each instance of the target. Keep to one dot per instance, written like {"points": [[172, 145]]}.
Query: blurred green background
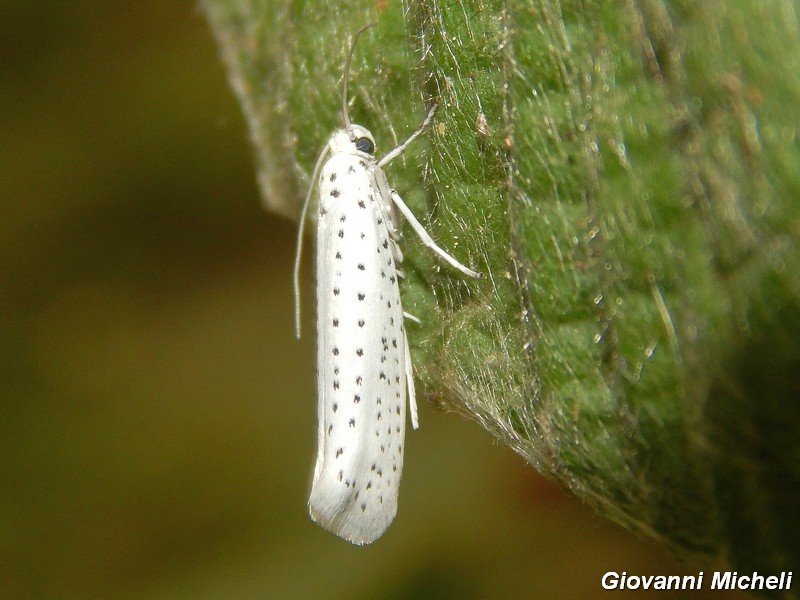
{"points": [[158, 417]]}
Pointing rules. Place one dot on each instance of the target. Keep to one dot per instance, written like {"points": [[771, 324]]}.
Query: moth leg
{"points": [[426, 239], [402, 147], [412, 395], [412, 317]]}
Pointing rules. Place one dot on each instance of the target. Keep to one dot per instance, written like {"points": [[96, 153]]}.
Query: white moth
{"points": [[363, 360]]}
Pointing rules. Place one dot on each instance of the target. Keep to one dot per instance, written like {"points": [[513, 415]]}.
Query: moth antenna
{"points": [[300, 233], [348, 125]]}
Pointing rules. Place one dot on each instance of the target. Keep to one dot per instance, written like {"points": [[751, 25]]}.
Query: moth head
{"points": [[362, 139], [356, 140]]}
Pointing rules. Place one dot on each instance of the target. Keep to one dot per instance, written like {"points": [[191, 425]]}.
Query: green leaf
{"points": [[626, 175]]}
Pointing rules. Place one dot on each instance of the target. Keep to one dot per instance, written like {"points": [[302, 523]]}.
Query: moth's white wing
{"points": [[361, 352]]}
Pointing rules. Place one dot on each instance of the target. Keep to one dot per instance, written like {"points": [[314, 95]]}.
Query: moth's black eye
{"points": [[365, 145]]}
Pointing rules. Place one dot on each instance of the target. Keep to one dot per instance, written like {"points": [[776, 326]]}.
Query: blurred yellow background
{"points": [[158, 416]]}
